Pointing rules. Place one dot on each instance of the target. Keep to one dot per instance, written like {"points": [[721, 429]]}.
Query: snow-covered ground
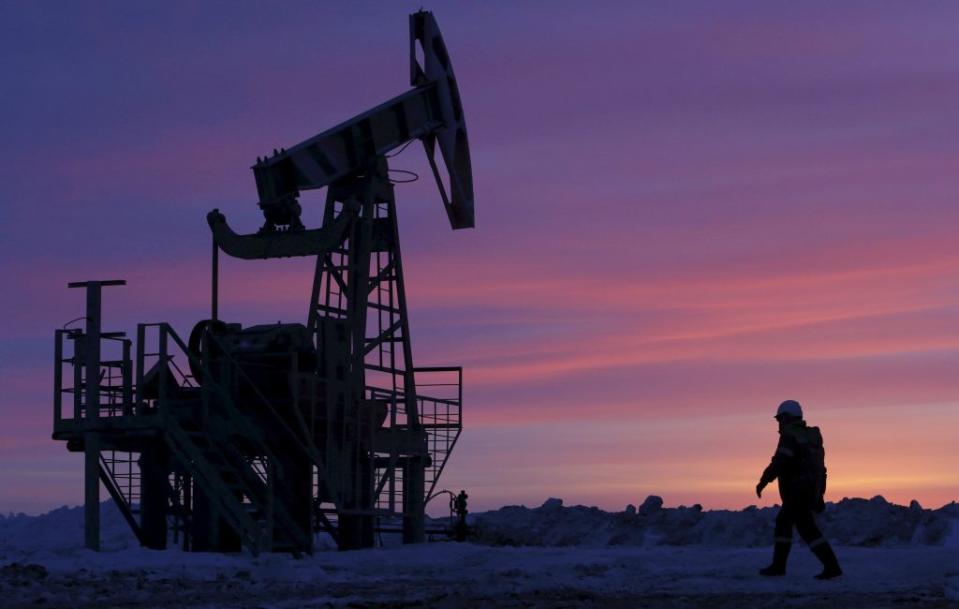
{"points": [[42, 564]]}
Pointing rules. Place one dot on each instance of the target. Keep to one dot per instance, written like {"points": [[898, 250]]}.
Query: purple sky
{"points": [[686, 213]]}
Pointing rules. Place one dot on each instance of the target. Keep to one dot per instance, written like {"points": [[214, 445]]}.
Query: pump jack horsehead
{"points": [[287, 429]]}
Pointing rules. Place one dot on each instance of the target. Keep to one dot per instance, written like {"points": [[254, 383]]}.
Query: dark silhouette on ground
{"points": [[799, 465], [459, 506]]}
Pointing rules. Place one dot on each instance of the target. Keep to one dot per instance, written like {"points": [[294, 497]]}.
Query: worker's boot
{"points": [[827, 557], [780, 554]]}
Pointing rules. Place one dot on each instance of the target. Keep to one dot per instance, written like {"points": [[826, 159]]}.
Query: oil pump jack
{"points": [[260, 436]]}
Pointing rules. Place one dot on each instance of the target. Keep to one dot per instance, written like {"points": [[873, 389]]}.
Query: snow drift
{"points": [[854, 522], [851, 522]]}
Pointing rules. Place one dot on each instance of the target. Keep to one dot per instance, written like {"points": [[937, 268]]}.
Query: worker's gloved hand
{"points": [[759, 489]]}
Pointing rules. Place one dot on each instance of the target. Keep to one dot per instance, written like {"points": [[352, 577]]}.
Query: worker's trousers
{"points": [[799, 516]]}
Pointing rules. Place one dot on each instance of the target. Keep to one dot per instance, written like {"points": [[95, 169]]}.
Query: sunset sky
{"points": [[687, 212]]}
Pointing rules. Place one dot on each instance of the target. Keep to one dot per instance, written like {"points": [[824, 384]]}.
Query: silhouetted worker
{"points": [[799, 464], [459, 506]]}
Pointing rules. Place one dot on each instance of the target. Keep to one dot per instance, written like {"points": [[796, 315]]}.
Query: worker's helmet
{"points": [[790, 408]]}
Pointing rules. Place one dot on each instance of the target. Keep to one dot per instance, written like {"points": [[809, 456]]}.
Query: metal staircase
{"points": [[224, 485], [240, 490], [122, 480]]}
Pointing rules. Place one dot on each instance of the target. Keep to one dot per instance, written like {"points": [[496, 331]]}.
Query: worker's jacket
{"points": [[796, 485]]}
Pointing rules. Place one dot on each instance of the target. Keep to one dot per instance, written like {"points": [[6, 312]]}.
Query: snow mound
{"points": [[61, 530], [858, 522], [854, 522]]}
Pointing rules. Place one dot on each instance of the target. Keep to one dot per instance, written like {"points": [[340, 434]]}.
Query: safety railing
{"points": [[440, 417], [112, 390]]}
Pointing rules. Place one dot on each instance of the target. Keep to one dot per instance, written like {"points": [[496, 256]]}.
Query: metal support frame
{"points": [[90, 404], [199, 448], [361, 283]]}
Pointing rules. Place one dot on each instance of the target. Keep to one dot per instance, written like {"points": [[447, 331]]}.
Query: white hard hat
{"points": [[790, 407]]}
